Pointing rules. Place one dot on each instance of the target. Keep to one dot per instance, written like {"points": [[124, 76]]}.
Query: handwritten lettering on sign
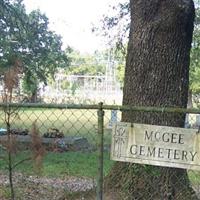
{"points": [[156, 145]]}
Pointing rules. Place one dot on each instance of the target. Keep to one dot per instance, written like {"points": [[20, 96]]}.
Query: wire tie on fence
{"points": [[198, 130], [132, 124], [163, 110]]}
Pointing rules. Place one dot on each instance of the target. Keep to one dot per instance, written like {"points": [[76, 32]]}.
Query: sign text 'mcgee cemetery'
{"points": [[156, 145]]}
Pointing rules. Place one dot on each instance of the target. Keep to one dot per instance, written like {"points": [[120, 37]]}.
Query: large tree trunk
{"points": [[33, 97], [157, 70]]}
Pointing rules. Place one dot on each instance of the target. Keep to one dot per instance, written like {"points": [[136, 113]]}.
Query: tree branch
{"points": [[20, 162]]}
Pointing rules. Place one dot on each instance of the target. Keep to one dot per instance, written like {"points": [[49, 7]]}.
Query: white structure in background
{"points": [[85, 88]]}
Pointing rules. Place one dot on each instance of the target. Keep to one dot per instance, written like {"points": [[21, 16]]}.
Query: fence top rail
{"points": [[101, 106], [49, 106], [153, 109]]}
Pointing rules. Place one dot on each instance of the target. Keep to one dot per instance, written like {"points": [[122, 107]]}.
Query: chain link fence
{"points": [[77, 164], [140, 182]]}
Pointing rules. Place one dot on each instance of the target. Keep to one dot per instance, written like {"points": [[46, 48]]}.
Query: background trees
{"points": [[26, 37], [90, 64], [195, 55], [116, 26]]}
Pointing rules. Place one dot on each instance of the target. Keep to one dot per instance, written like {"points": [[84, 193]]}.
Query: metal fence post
{"points": [[100, 152]]}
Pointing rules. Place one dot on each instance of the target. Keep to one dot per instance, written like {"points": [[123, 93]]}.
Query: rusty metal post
{"points": [[100, 152]]}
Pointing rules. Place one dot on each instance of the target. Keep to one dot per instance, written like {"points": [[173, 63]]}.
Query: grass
{"points": [[89, 195], [5, 193], [194, 177], [63, 164], [71, 122], [81, 123], [73, 164]]}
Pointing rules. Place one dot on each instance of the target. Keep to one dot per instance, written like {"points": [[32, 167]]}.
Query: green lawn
{"points": [[63, 164], [81, 123], [69, 121], [77, 164]]}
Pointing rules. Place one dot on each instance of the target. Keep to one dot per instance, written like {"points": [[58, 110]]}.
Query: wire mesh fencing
{"points": [[70, 163], [77, 164], [133, 181]]}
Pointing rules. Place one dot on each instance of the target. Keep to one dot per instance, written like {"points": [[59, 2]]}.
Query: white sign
{"points": [[156, 145]]}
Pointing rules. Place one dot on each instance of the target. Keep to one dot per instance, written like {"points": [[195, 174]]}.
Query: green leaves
{"points": [[28, 38], [86, 64], [195, 55]]}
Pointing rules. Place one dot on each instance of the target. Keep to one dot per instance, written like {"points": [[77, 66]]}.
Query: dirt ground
{"points": [[37, 188], [42, 188]]}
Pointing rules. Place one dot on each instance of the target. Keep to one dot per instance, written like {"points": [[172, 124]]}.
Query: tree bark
{"points": [[190, 104], [33, 98], [156, 74]]}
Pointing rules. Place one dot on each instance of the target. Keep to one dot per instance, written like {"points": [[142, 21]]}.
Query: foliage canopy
{"points": [[27, 38], [116, 27]]}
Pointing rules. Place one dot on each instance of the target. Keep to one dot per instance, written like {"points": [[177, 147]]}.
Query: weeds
{"points": [[11, 82]]}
